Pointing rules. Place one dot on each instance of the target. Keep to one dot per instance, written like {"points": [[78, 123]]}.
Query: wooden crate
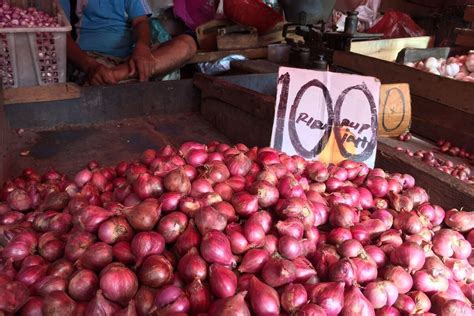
{"points": [[4, 140], [236, 107], [441, 107]]}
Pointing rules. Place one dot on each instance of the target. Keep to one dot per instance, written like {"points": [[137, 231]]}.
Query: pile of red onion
{"points": [[11, 16], [220, 230]]}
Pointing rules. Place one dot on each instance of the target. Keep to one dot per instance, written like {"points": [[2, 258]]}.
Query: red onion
{"points": [[143, 216], [266, 193], [32, 260], [235, 305], [177, 181], [14, 295], [83, 285], [429, 282], [170, 201], [408, 255], [460, 269], [209, 218], [401, 203], [405, 304], [254, 233], [82, 177], [417, 195], [381, 293], [192, 266], [239, 165], [461, 221], [289, 187], [244, 203], [59, 303], [277, 272], [293, 297], [101, 306], [343, 216], [118, 283], [19, 200], [196, 157], [351, 248], [145, 244], [291, 227], [172, 225], [448, 243], [115, 229], [145, 301], [200, 187], [188, 239], [311, 309], [271, 244], [215, 248], [50, 284], [199, 297], [32, 274], [385, 216], [253, 261], [91, 217], [329, 295], [33, 307], [263, 299], [155, 271], [97, 256], [147, 186], [378, 186], [122, 252], [356, 304], [387, 311], [398, 276], [422, 302], [289, 247], [171, 300], [222, 280], [377, 255], [455, 307], [409, 223], [323, 258], [304, 270], [343, 271], [61, 268]]}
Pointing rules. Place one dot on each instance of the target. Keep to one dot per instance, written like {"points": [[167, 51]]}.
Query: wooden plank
{"points": [[414, 10], [452, 93], [259, 66], [4, 141], [443, 189], [465, 37], [469, 13], [388, 49], [252, 53], [54, 92]]}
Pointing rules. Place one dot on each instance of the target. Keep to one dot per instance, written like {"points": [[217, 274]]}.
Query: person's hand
{"points": [[101, 75], [142, 62]]}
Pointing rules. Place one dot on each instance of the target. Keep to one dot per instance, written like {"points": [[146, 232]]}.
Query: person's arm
{"points": [[98, 74], [142, 60], [174, 53]]}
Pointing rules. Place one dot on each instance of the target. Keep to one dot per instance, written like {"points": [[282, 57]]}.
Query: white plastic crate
{"points": [[34, 56]]}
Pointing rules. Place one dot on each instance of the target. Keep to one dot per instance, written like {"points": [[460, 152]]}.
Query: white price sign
{"points": [[326, 116]]}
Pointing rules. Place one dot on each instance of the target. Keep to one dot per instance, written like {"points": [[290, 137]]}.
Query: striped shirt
{"points": [[105, 25]]}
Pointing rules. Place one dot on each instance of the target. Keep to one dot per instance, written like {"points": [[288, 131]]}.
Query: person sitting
{"points": [[114, 43]]}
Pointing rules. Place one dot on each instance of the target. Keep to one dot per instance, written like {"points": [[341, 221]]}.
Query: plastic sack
{"points": [[219, 66], [252, 13], [396, 24], [195, 12]]}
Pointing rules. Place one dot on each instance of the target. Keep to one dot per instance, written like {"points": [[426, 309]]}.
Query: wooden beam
{"points": [[252, 53], [469, 13], [465, 37], [388, 49], [452, 93], [54, 92], [444, 189]]}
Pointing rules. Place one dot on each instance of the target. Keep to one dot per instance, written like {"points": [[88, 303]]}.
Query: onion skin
{"points": [[215, 248], [209, 218], [455, 307], [199, 297], [329, 295], [293, 297], [381, 294], [143, 216], [223, 282], [115, 229], [189, 239], [355, 303], [101, 306], [14, 295], [192, 266], [118, 283], [235, 306], [59, 303], [83, 285], [253, 261], [277, 272], [155, 271], [422, 302], [263, 299], [77, 244]]}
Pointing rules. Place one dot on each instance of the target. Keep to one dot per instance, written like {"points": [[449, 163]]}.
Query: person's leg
{"points": [[168, 56]]}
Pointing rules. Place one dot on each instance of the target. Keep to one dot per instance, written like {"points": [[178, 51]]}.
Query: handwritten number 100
{"points": [[334, 119]]}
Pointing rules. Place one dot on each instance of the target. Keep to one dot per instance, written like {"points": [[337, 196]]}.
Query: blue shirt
{"points": [[105, 25]]}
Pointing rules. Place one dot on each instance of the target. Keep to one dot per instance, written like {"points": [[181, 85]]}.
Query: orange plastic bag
{"points": [[395, 24]]}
